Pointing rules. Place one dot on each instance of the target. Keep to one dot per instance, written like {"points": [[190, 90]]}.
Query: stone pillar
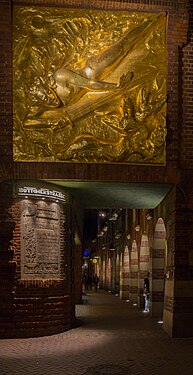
{"points": [[178, 312], [168, 308], [117, 291], [110, 267], [124, 291], [103, 273], [77, 274], [144, 267], [108, 273], [121, 273], [158, 270], [134, 273], [178, 299], [113, 272]]}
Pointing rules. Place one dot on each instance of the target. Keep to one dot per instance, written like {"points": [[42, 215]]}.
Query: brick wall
{"points": [[178, 170], [6, 164], [7, 262], [36, 306], [187, 87]]}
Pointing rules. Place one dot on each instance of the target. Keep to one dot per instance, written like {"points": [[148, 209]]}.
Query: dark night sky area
{"points": [[90, 226]]}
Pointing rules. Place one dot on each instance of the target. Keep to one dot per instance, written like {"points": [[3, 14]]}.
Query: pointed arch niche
{"points": [[159, 260]]}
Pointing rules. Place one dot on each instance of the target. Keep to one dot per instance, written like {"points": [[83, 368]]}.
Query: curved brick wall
{"points": [[37, 301]]}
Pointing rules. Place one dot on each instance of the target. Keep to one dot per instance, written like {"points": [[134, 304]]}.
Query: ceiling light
{"points": [[118, 235], [112, 247], [114, 217]]}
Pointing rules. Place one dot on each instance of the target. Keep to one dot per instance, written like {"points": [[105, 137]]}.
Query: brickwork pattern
{"points": [[32, 307], [113, 338], [178, 169]]}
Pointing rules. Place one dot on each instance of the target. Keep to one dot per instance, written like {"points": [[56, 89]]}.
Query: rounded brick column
{"points": [[124, 290], [36, 262], [158, 269], [144, 267], [134, 273]]}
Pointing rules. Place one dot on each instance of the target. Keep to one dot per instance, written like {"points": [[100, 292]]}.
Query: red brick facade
{"points": [[178, 170]]}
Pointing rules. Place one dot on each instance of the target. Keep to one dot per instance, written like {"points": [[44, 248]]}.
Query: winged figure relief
{"points": [[89, 86]]}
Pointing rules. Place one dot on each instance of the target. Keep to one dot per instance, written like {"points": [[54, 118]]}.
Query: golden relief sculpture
{"points": [[89, 86]]}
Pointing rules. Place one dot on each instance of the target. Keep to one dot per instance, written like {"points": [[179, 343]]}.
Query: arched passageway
{"points": [[124, 272]]}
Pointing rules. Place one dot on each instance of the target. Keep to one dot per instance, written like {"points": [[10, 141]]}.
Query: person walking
{"points": [[96, 281], [146, 293]]}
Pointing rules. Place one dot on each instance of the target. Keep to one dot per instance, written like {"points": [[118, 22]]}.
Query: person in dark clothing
{"points": [[96, 281], [146, 293], [90, 282], [86, 281]]}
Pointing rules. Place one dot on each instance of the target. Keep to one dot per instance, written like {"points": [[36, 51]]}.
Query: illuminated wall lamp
{"points": [[137, 228], [112, 247], [118, 235], [114, 217]]}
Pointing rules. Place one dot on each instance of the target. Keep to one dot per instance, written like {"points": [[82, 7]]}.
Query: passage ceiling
{"points": [[96, 195]]}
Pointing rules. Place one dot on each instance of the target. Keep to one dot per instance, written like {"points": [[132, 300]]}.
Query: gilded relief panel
{"points": [[89, 86]]}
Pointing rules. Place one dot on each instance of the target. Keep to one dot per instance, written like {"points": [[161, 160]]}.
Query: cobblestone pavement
{"points": [[113, 337]]}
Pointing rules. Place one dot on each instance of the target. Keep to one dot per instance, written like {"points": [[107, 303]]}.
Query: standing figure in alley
{"points": [[86, 281], [146, 293], [90, 282], [96, 281]]}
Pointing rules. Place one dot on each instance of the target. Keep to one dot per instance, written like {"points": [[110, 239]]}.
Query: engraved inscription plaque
{"points": [[40, 240]]}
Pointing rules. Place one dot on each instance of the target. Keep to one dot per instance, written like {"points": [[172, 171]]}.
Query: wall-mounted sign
{"points": [[40, 240], [41, 192]]}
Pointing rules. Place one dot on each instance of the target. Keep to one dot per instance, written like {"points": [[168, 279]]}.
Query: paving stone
{"points": [[114, 337]]}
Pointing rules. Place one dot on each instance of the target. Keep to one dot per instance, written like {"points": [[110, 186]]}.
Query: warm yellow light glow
{"points": [[94, 82]]}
